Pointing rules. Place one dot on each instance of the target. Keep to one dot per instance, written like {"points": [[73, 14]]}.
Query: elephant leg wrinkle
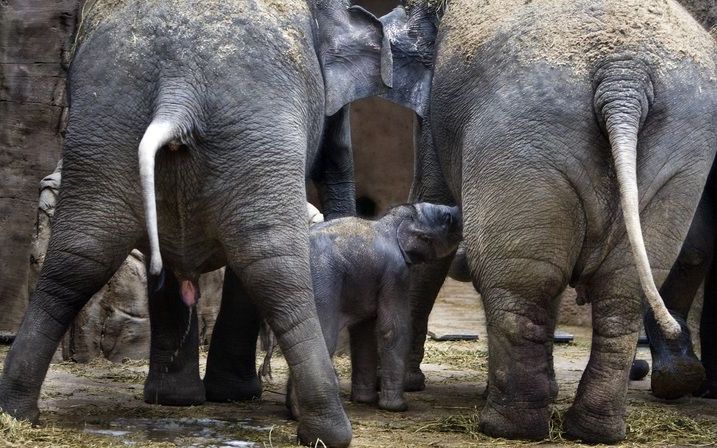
{"points": [[520, 382], [70, 276], [597, 413]]}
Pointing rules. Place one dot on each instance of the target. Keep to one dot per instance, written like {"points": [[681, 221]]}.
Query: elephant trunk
{"points": [[623, 93]]}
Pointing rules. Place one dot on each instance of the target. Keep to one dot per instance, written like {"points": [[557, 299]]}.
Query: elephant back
{"points": [[576, 34]]}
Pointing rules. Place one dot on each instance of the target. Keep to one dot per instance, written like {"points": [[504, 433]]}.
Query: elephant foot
{"points": [[330, 425], [174, 389], [679, 377], [510, 422], [414, 381], [364, 394], [19, 409], [224, 388], [639, 370], [708, 389], [580, 424], [392, 401]]}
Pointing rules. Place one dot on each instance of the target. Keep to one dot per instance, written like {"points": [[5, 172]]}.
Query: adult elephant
{"points": [[231, 364], [560, 127], [229, 99]]}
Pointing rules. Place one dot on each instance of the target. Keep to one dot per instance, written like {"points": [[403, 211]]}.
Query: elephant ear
{"points": [[416, 245], [412, 36], [355, 54]]}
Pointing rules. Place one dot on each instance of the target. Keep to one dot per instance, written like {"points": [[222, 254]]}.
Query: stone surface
{"points": [[35, 39], [571, 313]]}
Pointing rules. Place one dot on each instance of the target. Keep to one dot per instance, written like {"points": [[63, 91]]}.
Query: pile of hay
{"points": [[464, 355], [646, 425]]}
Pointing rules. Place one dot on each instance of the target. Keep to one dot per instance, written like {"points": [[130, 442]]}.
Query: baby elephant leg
{"points": [[364, 362], [394, 330]]}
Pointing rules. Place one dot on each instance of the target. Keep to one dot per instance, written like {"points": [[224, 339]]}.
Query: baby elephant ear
{"points": [[415, 245], [412, 36], [355, 54]]}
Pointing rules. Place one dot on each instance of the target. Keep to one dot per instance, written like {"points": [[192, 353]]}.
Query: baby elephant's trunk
{"points": [[623, 93]]}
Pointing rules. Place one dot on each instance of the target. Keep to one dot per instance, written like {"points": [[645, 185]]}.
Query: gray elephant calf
{"points": [[360, 271]]}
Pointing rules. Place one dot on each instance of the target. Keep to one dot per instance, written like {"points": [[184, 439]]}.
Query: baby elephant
{"points": [[360, 272]]}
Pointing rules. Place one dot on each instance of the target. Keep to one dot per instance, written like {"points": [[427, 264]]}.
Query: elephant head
{"points": [[354, 52], [428, 232], [411, 31]]}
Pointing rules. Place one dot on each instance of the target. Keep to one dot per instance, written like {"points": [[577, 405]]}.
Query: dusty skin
{"points": [[579, 39], [100, 404]]}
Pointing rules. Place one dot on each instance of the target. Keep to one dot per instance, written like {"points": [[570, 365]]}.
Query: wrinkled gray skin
{"points": [[676, 371], [522, 143], [360, 272], [238, 91], [231, 371]]}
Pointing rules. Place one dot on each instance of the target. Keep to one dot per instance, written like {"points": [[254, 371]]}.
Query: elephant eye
{"points": [[424, 237]]}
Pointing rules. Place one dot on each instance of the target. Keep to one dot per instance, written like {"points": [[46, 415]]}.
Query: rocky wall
{"points": [[35, 39]]}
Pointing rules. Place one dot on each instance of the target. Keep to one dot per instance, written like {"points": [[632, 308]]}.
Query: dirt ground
{"points": [[100, 404]]}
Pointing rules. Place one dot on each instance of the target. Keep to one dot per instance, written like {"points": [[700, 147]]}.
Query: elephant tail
{"points": [[623, 93], [159, 133]]}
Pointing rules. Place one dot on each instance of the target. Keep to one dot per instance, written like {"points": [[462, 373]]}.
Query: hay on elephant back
{"points": [[576, 35], [212, 28]]}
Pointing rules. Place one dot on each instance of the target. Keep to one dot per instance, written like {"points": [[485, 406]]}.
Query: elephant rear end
{"points": [[229, 96], [553, 120]]}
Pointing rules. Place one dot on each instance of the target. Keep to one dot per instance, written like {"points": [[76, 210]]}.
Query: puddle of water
{"points": [[188, 432]]}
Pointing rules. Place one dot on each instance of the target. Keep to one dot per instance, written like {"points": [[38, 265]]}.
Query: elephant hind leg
{"points": [[92, 235], [231, 365], [521, 382], [520, 293], [263, 230], [708, 336], [676, 371], [280, 284], [598, 412], [173, 378], [523, 231]]}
